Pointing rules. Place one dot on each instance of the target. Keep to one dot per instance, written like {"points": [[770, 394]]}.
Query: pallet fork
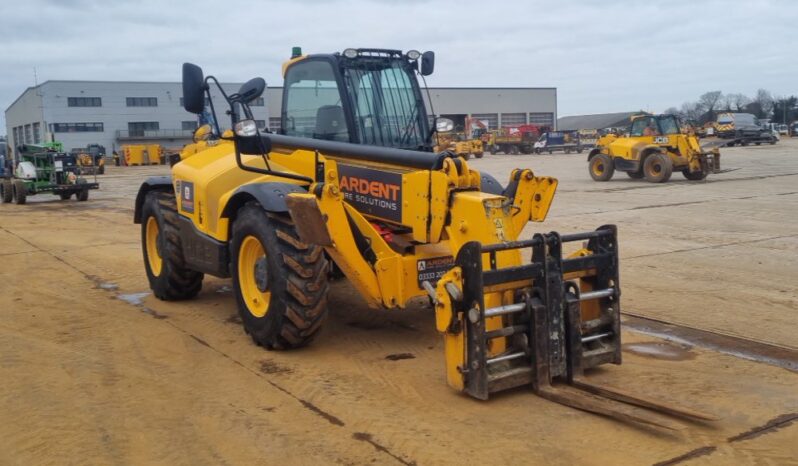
{"points": [[548, 341]]}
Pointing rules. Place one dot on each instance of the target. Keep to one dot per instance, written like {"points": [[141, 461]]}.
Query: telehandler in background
{"points": [[654, 148], [353, 180]]}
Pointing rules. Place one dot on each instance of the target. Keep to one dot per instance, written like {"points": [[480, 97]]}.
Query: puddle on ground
{"points": [[665, 351], [270, 367], [136, 299], [224, 289], [400, 356], [108, 286]]}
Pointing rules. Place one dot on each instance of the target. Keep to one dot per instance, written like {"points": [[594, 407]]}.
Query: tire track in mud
{"points": [[732, 345], [713, 246], [773, 425], [676, 183], [332, 419], [674, 204]]}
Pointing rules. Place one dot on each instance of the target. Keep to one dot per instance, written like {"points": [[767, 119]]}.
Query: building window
{"points": [[513, 119], [189, 125], [84, 102], [259, 102], [261, 124], [137, 128], [491, 119], [37, 133], [77, 127], [543, 119], [142, 101], [274, 124], [28, 138], [17, 137]]}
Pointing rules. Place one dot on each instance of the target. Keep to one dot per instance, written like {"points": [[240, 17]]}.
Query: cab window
{"points": [[312, 106], [668, 125], [644, 127]]}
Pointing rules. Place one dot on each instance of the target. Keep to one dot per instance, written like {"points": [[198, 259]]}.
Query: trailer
{"points": [[743, 129], [514, 139], [566, 141]]}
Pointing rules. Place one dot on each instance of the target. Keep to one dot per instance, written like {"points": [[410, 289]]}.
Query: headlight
{"points": [[246, 128], [350, 53], [413, 54]]}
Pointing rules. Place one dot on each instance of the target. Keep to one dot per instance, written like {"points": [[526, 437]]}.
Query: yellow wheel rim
{"points": [[153, 250], [252, 278], [598, 168], [654, 169]]}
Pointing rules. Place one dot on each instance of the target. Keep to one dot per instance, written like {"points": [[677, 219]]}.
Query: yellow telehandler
{"points": [[352, 180], [654, 148]]}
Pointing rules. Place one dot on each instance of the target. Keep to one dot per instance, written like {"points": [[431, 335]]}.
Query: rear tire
{"points": [[657, 168], [20, 192], [64, 196], [601, 167], [694, 176], [6, 191], [169, 278], [83, 195], [280, 282]]}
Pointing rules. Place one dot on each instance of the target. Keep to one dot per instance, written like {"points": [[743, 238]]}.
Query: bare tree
{"points": [[709, 101], [727, 101], [672, 111], [691, 111], [763, 103], [739, 102]]}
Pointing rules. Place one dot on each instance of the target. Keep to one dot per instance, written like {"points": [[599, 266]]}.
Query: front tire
{"points": [[601, 167], [170, 279], [280, 282], [6, 191], [20, 192], [657, 168]]}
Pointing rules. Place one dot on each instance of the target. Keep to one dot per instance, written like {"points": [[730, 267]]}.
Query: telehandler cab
{"points": [[353, 181], [654, 148]]}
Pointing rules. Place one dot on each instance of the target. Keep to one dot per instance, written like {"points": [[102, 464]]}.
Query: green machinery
{"points": [[45, 168]]}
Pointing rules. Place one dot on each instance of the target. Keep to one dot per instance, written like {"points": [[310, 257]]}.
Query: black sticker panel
{"points": [[432, 269], [372, 192], [187, 196]]}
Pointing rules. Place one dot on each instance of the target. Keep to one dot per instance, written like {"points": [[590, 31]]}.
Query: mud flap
{"points": [[308, 219]]}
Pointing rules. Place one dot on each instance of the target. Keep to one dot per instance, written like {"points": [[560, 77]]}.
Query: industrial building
{"points": [[113, 113], [110, 113], [596, 121]]}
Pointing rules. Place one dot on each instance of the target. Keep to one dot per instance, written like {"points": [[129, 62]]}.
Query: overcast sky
{"points": [[602, 56]]}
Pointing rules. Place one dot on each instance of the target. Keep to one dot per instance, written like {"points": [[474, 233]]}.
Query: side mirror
{"points": [[193, 88], [251, 90], [427, 63], [443, 125]]}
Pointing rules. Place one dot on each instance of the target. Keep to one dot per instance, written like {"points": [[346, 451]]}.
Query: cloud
{"points": [[602, 56]]}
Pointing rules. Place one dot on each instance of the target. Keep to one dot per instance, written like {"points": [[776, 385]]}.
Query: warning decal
{"points": [[432, 269]]}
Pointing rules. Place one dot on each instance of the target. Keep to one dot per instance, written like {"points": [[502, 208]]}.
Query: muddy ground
{"points": [[93, 369]]}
